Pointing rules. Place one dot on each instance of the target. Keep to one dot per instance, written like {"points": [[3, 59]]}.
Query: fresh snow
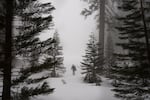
{"points": [[72, 87]]}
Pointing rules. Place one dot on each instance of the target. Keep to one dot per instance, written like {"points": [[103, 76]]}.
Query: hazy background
{"points": [[73, 29]]}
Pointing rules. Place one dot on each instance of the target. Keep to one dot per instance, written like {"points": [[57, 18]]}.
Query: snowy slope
{"points": [[72, 87]]}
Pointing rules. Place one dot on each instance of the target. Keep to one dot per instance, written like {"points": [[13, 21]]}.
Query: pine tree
{"points": [[131, 71], [92, 64], [56, 55], [34, 17], [93, 6]]}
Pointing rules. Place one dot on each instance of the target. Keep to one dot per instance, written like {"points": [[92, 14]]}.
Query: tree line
{"points": [[128, 67]]}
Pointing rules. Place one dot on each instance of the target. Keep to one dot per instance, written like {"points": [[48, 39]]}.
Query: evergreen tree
{"points": [[93, 6], [92, 64], [34, 17], [131, 71], [56, 54]]}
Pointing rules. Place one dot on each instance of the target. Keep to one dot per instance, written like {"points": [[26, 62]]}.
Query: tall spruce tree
{"points": [[92, 64], [34, 17], [131, 71]]}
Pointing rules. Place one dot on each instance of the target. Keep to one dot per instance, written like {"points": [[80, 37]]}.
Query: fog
{"points": [[73, 29]]}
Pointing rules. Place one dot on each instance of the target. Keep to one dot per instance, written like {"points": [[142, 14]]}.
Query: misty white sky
{"points": [[73, 29]]}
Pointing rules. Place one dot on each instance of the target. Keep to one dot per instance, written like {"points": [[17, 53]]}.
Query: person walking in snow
{"points": [[73, 68]]}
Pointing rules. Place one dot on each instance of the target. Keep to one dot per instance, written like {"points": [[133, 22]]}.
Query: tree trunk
{"points": [[6, 94], [102, 26], [54, 71], [145, 31], [54, 66]]}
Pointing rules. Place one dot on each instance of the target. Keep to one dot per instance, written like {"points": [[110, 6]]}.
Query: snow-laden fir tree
{"points": [[131, 71], [30, 81], [57, 56], [92, 64]]}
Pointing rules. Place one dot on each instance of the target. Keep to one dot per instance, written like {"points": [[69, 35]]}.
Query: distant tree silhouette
{"points": [[56, 54]]}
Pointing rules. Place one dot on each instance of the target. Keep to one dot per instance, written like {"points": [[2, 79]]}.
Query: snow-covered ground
{"points": [[72, 87]]}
